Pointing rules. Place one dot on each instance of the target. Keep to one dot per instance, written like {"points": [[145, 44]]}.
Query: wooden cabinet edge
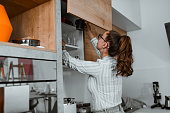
{"points": [[26, 47]]}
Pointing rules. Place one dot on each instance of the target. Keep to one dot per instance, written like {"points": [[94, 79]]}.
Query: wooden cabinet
{"points": [[98, 12], [36, 18], [16, 7], [89, 52], [33, 18], [38, 23], [41, 19]]}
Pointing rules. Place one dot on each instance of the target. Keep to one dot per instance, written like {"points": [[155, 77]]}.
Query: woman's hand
{"points": [[88, 30], [63, 45]]}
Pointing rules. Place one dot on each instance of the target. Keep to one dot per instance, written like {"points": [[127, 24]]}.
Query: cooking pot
{"points": [[28, 42]]}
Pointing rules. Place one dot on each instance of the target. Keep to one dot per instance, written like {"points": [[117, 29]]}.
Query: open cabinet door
{"points": [[98, 12]]}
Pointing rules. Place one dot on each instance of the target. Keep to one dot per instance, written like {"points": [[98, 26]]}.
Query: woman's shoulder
{"points": [[111, 62], [107, 59]]}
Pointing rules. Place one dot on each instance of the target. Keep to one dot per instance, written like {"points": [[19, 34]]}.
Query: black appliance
{"points": [[156, 95]]}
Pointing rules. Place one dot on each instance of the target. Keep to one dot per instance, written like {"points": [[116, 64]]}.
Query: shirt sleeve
{"points": [[94, 42], [85, 67]]}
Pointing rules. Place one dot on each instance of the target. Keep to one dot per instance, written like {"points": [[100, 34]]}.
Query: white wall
{"points": [[75, 86], [151, 53], [129, 8]]}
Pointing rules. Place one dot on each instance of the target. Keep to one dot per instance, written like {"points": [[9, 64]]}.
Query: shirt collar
{"points": [[107, 58]]}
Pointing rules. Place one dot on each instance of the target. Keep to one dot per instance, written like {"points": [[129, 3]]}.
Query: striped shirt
{"points": [[104, 85]]}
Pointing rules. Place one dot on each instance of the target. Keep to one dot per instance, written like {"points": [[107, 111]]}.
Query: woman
{"points": [[105, 80]]}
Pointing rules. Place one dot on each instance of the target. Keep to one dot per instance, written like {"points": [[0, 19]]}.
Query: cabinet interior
{"points": [[72, 36], [33, 18], [16, 7]]}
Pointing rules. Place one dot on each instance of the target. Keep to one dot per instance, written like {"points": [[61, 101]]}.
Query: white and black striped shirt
{"points": [[104, 85]]}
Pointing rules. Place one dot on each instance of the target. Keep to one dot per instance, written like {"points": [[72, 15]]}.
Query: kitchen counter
{"points": [[149, 110]]}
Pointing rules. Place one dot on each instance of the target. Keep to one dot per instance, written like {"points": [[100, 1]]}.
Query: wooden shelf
{"points": [[15, 7], [21, 51]]}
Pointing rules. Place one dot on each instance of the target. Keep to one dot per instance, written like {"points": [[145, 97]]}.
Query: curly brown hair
{"points": [[121, 48]]}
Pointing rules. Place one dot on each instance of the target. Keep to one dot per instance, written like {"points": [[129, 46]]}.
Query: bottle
{"points": [[47, 88], [68, 40]]}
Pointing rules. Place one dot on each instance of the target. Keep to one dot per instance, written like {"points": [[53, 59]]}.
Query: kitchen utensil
{"points": [[69, 100], [2, 70], [80, 24], [28, 42]]}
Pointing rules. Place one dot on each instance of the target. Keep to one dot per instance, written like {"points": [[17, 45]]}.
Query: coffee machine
{"points": [[156, 95]]}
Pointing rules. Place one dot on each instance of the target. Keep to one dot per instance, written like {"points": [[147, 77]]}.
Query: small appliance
{"points": [[156, 95], [167, 102]]}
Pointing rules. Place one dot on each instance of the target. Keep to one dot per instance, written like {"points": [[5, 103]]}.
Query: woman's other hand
{"points": [[63, 45]]}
